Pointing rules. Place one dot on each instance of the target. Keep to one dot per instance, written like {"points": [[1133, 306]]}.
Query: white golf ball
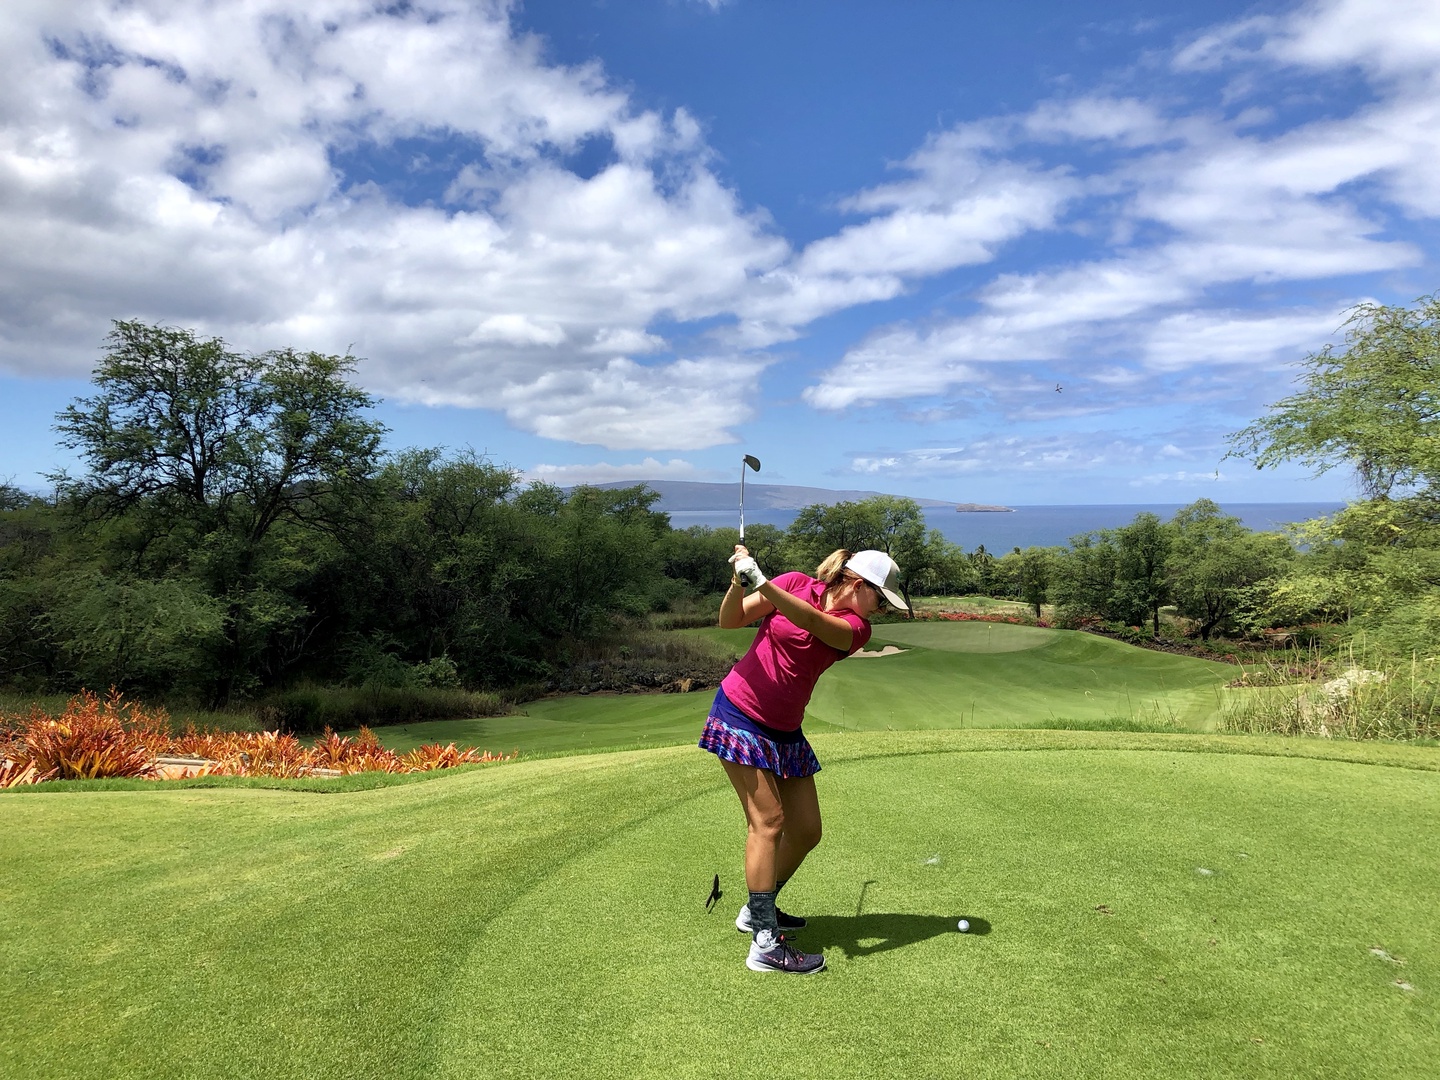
{"points": [[963, 925]]}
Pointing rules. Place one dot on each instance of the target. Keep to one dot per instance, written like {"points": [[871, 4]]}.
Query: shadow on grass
{"points": [[866, 935]]}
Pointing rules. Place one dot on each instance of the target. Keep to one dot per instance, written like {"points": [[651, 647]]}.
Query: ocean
{"points": [[1032, 526]]}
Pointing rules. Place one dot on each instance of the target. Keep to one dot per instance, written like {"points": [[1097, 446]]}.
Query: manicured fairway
{"points": [[951, 675], [1161, 905], [958, 675]]}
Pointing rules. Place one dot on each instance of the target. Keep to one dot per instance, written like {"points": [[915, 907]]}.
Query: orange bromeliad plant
{"points": [[114, 737], [93, 739]]}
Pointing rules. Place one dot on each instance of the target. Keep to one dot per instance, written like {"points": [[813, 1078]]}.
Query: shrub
{"points": [[969, 616], [18, 772], [93, 739], [434, 756]]}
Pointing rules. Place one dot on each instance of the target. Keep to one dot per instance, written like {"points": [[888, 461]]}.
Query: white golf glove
{"points": [[749, 572]]}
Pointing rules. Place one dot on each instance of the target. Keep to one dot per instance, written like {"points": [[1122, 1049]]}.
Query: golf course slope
{"points": [[1141, 905], [932, 676]]}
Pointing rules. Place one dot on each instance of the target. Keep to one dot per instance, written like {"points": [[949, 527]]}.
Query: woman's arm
{"points": [[738, 610], [831, 629]]}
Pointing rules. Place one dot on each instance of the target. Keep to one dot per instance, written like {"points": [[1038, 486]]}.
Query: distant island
{"points": [[678, 496]]}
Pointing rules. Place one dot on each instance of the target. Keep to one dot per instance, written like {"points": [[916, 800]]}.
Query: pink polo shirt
{"points": [[772, 682]]}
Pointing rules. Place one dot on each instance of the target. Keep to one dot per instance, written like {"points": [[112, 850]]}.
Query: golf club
{"points": [[754, 463]]}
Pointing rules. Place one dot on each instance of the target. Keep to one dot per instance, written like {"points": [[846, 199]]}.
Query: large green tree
{"points": [[1372, 405], [1084, 577], [187, 428], [1215, 560], [1142, 586], [887, 523], [221, 468]]}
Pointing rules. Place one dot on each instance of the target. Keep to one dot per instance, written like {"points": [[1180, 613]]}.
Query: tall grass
{"points": [[1364, 697]]}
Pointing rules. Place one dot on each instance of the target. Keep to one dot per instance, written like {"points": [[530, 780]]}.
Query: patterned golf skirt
{"points": [[732, 736]]}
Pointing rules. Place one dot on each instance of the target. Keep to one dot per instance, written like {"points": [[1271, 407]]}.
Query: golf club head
{"points": [[753, 462]]}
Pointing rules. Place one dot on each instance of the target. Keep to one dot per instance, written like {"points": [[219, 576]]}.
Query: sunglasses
{"points": [[880, 601]]}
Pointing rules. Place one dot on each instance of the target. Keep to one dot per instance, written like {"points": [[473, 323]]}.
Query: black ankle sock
{"points": [[762, 912]]}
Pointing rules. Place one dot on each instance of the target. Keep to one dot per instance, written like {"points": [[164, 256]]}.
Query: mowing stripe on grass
{"points": [[548, 916]]}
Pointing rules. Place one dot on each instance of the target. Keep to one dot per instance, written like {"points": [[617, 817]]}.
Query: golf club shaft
{"points": [[747, 462]]}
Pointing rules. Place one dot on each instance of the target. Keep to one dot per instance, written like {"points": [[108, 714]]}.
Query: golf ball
{"points": [[963, 925]]}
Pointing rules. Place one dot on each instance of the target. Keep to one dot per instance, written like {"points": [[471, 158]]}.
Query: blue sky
{"points": [[637, 239]]}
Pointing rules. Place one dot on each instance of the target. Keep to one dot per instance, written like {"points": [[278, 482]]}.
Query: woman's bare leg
{"points": [[800, 815], [759, 793]]}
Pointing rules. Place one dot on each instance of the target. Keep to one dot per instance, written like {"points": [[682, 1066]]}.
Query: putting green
{"points": [[1142, 905], [951, 675], [966, 675], [963, 637]]}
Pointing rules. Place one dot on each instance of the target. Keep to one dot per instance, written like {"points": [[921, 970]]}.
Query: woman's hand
{"points": [[737, 609], [748, 571]]}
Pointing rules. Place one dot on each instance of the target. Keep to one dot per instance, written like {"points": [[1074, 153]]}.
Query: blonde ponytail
{"points": [[833, 568]]}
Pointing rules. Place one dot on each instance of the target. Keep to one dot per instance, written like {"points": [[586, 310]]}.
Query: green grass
{"points": [[579, 723], [545, 918], [961, 675], [952, 675]]}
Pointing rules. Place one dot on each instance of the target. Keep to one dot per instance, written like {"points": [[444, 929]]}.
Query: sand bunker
{"points": [[888, 650]]}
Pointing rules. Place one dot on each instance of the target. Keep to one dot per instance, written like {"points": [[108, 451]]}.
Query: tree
{"points": [[197, 456], [1215, 559], [188, 428], [885, 523], [1031, 570], [1373, 405], [984, 564], [1084, 577], [1141, 585]]}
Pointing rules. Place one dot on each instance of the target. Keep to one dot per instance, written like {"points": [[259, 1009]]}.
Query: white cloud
{"points": [[1180, 478], [1126, 121], [1189, 338], [689, 404], [955, 210], [1196, 204], [1403, 38], [514, 329], [1071, 452], [179, 163], [206, 165], [605, 473]]}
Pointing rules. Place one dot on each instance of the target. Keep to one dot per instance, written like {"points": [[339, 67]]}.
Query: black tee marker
{"points": [[715, 895]]}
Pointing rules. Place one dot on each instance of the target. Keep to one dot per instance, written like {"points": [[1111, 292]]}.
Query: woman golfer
{"points": [[806, 624]]}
